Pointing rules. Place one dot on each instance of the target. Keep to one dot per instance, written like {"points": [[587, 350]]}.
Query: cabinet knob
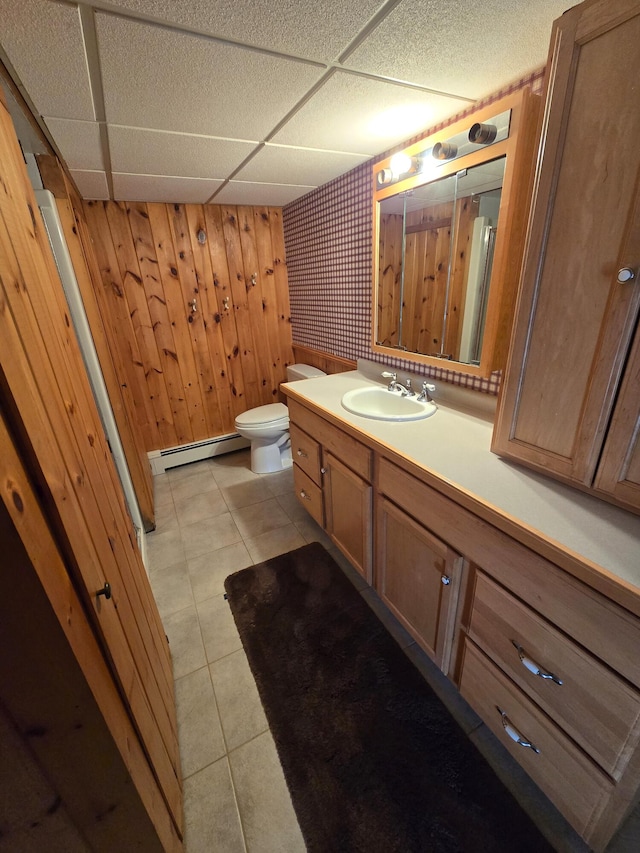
{"points": [[626, 274], [106, 591], [446, 580], [302, 453], [304, 495]]}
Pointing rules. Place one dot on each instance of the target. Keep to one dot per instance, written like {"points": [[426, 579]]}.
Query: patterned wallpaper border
{"points": [[329, 261]]}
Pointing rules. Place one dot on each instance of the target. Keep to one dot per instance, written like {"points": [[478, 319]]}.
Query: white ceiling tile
{"points": [[276, 195], [468, 49], [160, 153], [279, 164], [44, 43], [78, 142], [162, 188], [91, 185], [299, 27], [351, 113], [156, 78]]}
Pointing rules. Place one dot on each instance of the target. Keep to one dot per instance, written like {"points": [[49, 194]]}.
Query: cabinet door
{"points": [[575, 320], [619, 469], [348, 513], [417, 577]]}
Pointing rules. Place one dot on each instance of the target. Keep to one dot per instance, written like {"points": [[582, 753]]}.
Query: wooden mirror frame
{"points": [[519, 148]]}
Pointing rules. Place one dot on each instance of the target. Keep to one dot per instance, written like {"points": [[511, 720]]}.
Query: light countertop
{"points": [[454, 445]]}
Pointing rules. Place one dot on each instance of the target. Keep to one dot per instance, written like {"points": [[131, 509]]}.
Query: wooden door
{"points": [[575, 319], [45, 392], [417, 576], [348, 513], [619, 469]]}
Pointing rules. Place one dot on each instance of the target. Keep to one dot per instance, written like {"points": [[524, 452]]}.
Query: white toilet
{"points": [[267, 428]]}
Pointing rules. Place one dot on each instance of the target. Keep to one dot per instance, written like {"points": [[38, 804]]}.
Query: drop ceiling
{"points": [[254, 101]]}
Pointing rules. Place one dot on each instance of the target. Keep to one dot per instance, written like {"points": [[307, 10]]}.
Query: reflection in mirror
{"points": [[435, 255]]}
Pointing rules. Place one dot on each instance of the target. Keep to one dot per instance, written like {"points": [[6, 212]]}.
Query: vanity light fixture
{"points": [[402, 164], [482, 134], [444, 150]]}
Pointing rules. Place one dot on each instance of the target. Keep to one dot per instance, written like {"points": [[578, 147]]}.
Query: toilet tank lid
{"points": [[306, 371], [263, 415]]}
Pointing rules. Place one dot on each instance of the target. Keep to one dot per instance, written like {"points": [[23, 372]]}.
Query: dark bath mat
{"points": [[373, 760]]}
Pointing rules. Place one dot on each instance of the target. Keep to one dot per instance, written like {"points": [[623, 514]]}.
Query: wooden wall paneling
{"points": [[138, 310], [87, 271], [174, 359], [430, 326], [92, 510], [110, 481], [67, 674], [256, 300], [206, 421], [122, 340], [279, 335], [390, 275], [238, 284], [281, 283], [466, 212], [411, 263], [45, 385], [211, 318], [224, 296]]}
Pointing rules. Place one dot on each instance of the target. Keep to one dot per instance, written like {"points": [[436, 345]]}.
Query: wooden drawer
{"points": [[309, 494], [597, 623], [306, 453], [343, 446], [568, 777], [593, 705]]}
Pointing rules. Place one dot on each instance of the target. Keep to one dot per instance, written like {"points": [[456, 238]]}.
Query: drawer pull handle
{"points": [[302, 453], [304, 495], [533, 667], [515, 735]]}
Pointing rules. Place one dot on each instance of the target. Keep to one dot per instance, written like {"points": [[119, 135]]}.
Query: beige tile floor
{"points": [[214, 518]]}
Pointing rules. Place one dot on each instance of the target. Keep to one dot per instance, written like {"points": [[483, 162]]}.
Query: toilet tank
{"points": [[302, 371]]}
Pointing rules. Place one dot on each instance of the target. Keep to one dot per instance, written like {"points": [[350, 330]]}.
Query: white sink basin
{"points": [[384, 405]]}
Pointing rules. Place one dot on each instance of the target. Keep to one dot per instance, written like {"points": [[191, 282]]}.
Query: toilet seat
{"points": [[274, 415]]}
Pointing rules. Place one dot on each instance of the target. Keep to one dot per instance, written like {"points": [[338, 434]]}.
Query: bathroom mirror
{"points": [[449, 228]]}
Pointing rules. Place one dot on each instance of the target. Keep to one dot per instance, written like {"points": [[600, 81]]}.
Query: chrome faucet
{"points": [[408, 390], [425, 394]]}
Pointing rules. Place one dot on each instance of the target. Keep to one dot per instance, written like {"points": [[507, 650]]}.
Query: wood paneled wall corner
{"points": [[61, 445], [197, 304], [85, 265]]}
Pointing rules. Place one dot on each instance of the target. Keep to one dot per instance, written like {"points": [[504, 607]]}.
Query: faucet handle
{"points": [[427, 390], [386, 374]]}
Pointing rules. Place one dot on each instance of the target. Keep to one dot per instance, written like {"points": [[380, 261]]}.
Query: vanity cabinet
{"points": [[570, 404], [519, 617], [542, 645], [332, 475]]}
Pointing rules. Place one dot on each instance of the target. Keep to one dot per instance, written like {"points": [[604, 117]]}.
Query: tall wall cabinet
{"points": [[570, 405]]}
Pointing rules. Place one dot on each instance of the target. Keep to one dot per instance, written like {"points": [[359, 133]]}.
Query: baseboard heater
{"points": [[161, 460]]}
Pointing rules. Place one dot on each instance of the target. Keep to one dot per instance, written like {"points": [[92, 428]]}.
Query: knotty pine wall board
{"points": [[192, 371]]}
